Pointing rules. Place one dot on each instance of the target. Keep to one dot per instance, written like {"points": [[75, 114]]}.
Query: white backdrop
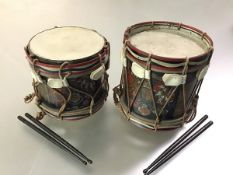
{"points": [[116, 146]]}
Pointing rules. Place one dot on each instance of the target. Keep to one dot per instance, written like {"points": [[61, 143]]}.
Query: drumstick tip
{"points": [[206, 115], [28, 115], [90, 161], [21, 118], [210, 123], [145, 171]]}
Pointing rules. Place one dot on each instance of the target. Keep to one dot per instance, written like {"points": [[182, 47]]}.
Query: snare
{"points": [[69, 67], [164, 64]]}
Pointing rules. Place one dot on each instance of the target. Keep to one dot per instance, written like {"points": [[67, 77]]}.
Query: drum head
{"points": [[171, 43], [66, 43]]}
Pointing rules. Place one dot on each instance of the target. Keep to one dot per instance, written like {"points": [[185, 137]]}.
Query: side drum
{"points": [[164, 64], [69, 67]]}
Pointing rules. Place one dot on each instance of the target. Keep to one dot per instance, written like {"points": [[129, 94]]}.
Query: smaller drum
{"points": [[69, 71], [164, 64]]}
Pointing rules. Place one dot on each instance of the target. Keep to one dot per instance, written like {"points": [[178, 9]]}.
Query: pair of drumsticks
{"points": [[50, 135], [178, 145], [173, 149]]}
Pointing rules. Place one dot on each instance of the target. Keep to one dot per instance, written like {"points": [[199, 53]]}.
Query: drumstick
{"points": [[56, 136], [48, 137], [181, 146], [177, 142]]}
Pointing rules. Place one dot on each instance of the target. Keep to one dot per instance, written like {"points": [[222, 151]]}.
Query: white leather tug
{"points": [[201, 74], [173, 79], [97, 74], [123, 59], [139, 71], [57, 83], [36, 77]]}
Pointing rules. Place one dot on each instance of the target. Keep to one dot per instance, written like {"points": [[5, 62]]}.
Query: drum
{"points": [[69, 71], [164, 64]]}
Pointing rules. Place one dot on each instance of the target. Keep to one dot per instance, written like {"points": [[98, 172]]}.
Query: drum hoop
{"points": [[54, 73], [162, 69], [73, 73], [167, 23], [43, 59], [46, 69], [70, 65], [166, 64]]}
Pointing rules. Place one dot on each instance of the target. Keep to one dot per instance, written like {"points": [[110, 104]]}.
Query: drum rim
{"points": [[168, 23], [162, 69], [50, 61]]}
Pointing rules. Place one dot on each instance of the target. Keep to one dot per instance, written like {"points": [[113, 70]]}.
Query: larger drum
{"points": [[164, 64], [69, 71]]}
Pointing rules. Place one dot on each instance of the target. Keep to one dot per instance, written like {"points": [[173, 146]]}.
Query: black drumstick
{"points": [[48, 137], [177, 142], [180, 147], [56, 136]]}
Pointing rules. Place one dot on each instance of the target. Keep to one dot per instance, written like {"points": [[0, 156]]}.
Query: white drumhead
{"points": [[66, 43], [166, 44]]}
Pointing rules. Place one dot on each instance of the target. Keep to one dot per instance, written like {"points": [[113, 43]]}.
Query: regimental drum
{"points": [[164, 64], [69, 71]]}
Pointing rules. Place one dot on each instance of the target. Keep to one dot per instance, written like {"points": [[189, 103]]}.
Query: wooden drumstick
{"points": [[48, 137], [180, 147], [56, 136], [177, 142]]}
